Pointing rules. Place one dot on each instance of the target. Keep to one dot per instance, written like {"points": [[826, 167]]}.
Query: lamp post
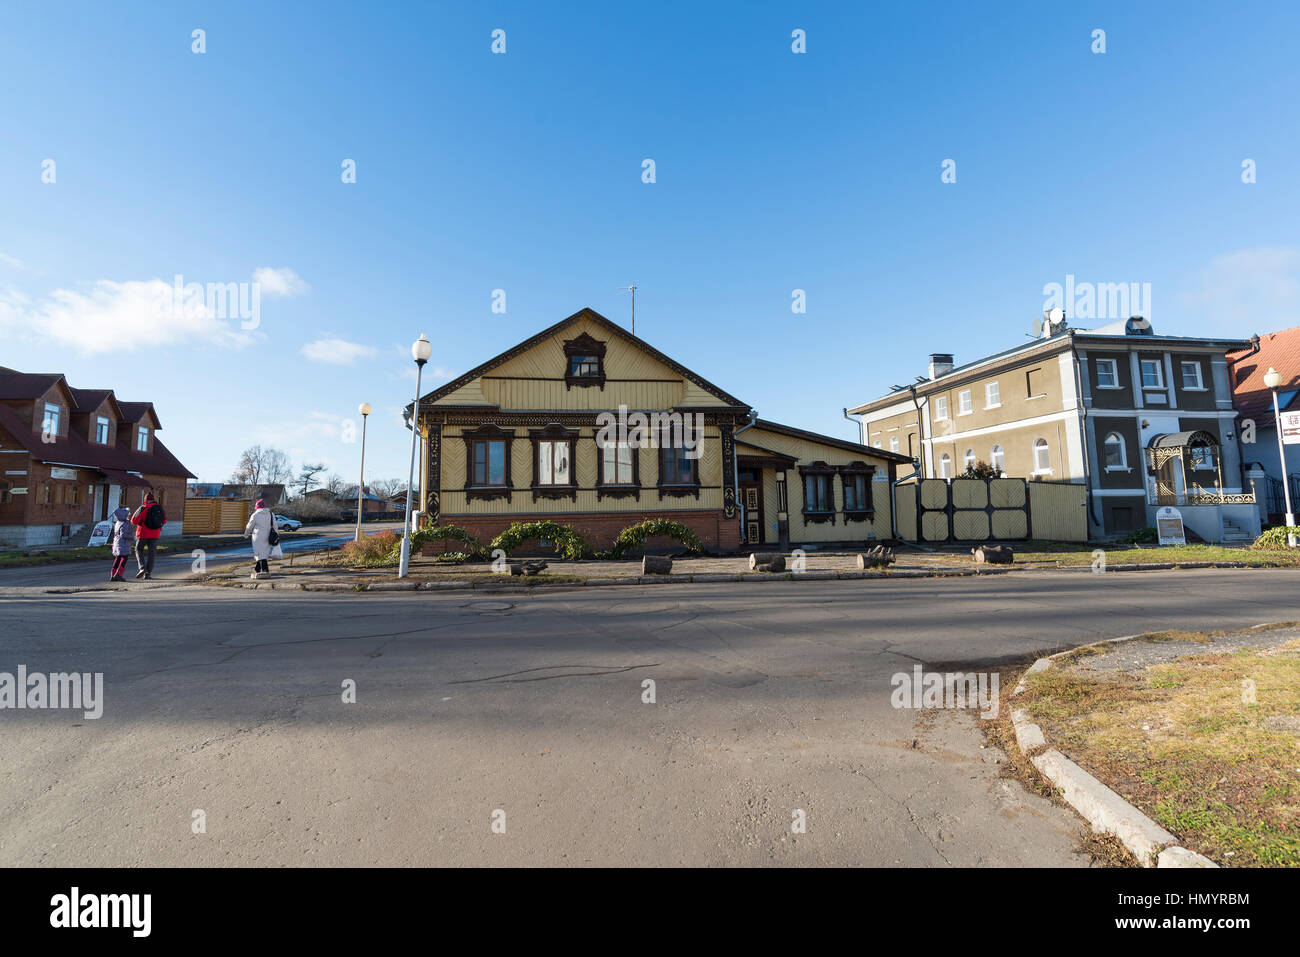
{"points": [[1273, 379], [364, 409], [421, 349]]}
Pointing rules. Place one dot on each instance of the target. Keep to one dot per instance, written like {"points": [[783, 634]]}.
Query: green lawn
{"points": [[1073, 553]]}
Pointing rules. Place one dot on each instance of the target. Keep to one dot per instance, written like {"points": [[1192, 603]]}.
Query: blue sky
{"points": [[522, 171]]}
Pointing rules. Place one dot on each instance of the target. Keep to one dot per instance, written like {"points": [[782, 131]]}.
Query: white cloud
{"points": [[118, 316], [1259, 287], [338, 351], [281, 283], [10, 261]]}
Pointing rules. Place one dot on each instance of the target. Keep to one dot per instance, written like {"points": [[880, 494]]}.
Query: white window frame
{"points": [[142, 439], [968, 459], [1041, 444], [945, 466], [1160, 373], [941, 407], [614, 454], [102, 425], [1123, 453], [992, 395], [1200, 381], [52, 415], [1113, 366], [965, 404], [893, 443], [998, 458]]}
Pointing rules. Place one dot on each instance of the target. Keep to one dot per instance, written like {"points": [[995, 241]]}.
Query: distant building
{"points": [[1141, 420], [69, 457], [1280, 351]]}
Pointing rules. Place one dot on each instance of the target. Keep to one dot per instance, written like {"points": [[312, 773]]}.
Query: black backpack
{"points": [[155, 518]]}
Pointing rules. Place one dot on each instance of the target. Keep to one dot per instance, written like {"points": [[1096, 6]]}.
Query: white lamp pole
{"points": [[364, 409], [421, 349], [1273, 379]]}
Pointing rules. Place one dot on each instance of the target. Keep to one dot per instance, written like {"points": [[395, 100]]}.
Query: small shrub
{"points": [[1143, 536], [381, 549], [634, 536], [447, 533], [567, 542], [1272, 539]]}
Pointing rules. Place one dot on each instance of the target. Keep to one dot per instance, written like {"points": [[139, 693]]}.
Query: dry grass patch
{"points": [[1202, 744]]}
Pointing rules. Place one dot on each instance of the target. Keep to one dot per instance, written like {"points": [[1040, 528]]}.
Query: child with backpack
{"points": [[148, 520], [122, 539]]}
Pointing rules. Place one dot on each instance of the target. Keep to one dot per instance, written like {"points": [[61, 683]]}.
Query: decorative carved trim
{"points": [[552, 433], [814, 515], [612, 489], [584, 345], [681, 491], [432, 483], [728, 471], [849, 472], [487, 431]]}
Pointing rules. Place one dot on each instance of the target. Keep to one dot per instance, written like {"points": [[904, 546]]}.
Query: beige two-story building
{"points": [[1142, 420]]}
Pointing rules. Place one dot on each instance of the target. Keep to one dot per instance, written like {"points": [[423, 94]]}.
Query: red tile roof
{"points": [[1279, 350]]}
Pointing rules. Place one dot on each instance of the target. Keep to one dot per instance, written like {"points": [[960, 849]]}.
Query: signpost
{"points": [[101, 534], [1169, 526], [1290, 428]]}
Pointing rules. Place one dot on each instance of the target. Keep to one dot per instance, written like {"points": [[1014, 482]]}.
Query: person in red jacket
{"points": [[148, 520]]}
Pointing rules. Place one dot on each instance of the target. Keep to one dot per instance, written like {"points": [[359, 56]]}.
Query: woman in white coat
{"points": [[259, 526]]}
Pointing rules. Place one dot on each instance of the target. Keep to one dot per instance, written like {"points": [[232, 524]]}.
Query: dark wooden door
{"points": [[751, 496]]}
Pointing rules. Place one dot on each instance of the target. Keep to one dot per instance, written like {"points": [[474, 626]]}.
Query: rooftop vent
{"points": [[940, 364]]}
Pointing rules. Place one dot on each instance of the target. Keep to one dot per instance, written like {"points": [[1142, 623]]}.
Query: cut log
{"points": [[656, 565], [765, 558], [993, 554], [878, 557]]}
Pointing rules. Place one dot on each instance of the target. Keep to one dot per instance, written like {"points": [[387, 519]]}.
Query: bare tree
{"points": [[262, 466], [306, 480], [335, 484], [387, 488]]}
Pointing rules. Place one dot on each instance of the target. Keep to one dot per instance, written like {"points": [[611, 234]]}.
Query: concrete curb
{"points": [[1104, 810], [714, 577]]}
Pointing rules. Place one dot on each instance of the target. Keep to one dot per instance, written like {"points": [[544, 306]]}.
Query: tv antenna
{"points": [[632, 290]]}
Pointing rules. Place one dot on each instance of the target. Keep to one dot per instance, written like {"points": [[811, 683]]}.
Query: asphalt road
{"points": [[178, 566], [770, 699]]}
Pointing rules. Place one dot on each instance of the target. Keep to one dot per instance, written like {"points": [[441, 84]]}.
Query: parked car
{"points": [[284, 523]]}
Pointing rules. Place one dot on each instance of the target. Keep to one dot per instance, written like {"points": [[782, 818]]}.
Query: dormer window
{"points": [[584, 359], [142, 440], [50, 425], [101, 430]]}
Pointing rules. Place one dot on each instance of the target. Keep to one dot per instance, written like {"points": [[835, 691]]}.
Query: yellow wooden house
{"points": [[588, 425]]}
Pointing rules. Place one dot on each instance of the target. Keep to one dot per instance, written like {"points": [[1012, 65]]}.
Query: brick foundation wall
{"points": [[718, 534]]}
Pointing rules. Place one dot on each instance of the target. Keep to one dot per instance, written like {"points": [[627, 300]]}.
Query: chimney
{"points": [[940, 364]]}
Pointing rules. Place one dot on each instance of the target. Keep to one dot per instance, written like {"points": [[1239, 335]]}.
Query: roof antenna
{"points": [[632, 290]]}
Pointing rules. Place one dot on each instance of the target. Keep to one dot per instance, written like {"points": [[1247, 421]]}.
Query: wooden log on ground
{"points": [[765, 558], [656, 565], [993, 554], [878, 557]]}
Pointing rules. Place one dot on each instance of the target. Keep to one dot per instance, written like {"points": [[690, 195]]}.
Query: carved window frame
{"points": [[820, 469], [849, 473], [554, 433], [584, 345], [488, 432]]}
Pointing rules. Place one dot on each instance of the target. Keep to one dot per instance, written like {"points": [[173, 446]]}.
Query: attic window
{"points": [[584, 362]]}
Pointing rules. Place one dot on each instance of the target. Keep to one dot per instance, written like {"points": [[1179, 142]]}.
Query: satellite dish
{"points": [[1056, 314], [1038, 328]]}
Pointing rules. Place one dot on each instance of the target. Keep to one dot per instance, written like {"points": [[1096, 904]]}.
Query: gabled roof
{"points": [[589, 314], [72, 449], [88, 400], [830, 440], [1279, 350], [134, 411], [27, 385]]}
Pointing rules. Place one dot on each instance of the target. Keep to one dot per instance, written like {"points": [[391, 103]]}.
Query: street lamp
{"points": [[1273, 379], [421, 349], [364, 409]]}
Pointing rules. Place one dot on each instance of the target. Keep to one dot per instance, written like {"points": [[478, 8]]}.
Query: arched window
{"points": [[968, 460], [1116, 455], [945, 466], [996, 459], [1042, 456]]}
